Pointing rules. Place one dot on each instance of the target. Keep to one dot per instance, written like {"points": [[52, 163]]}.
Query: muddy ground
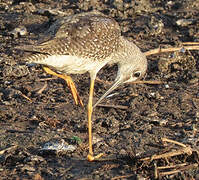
{"points": [[37, 110]]}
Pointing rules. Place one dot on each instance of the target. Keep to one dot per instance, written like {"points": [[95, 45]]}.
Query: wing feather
{"points": [[93, 35]]}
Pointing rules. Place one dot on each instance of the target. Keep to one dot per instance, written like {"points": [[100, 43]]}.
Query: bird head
{"points": [[132, 66]]}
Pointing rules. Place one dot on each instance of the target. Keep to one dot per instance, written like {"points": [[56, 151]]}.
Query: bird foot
{"points": [[94, 158]]}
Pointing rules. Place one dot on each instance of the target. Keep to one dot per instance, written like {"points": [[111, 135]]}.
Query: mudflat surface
{"points": [[37, 111]]}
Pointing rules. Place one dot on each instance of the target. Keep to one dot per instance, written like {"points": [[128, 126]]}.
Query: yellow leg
{"points": [[69, 82], [90, 156]]}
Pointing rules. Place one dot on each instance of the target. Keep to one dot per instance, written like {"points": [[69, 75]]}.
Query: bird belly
{"points": [[72, 64]]}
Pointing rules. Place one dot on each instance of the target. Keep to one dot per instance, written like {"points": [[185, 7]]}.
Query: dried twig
{"points": [[147, 82], [46, 79], [189, 43], [173, 49], [178, 168], [134, 82], [122, 177], [174, 142], [103, 81], [42, 89], [187, 150], [113, 106], [26, 97], [184, 150], [172, 166], [8, 149]]}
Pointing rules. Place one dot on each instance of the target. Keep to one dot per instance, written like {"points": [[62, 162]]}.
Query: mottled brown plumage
{"points": [[85, 43], [89, 35]]}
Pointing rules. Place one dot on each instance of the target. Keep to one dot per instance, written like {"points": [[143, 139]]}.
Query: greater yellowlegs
{"points": [[85, 43]]}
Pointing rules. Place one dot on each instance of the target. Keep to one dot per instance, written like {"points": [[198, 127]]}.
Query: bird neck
{"points": [[126, 50]]}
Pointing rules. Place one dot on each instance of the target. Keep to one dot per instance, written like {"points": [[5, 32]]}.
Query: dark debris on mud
{"points": [[36, 108]]}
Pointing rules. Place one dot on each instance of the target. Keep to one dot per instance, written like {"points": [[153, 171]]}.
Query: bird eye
{"points": [[137, 74]]}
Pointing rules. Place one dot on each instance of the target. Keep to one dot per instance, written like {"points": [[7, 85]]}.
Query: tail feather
{"points": [[29, 48], [37, 55], [36, 58]]}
